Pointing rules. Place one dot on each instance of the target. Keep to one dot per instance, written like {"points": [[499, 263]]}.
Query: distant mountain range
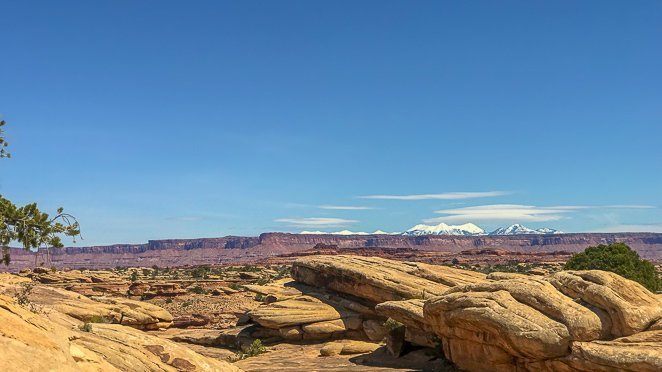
{"points": [[468, 229], [518, 229]]}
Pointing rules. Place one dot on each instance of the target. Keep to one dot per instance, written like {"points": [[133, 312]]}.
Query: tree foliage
{"points": [[620, 259], [3, 142], [28, 225]]}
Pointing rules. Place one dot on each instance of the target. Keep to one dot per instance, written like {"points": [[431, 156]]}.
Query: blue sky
{"points": [[158, 119]]}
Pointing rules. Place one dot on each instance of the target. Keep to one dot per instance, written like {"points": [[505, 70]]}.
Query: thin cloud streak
{"points": [[517, 212], [503, 212], [344, 207], [442, 196], [316, 222]]}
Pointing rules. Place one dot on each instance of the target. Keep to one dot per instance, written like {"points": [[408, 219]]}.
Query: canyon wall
{"points": [[236, 249]]}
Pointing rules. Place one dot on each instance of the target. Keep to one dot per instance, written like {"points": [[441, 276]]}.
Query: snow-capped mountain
{"points": [[468, 229], [518, 229], [347, 232], [443, 229]]}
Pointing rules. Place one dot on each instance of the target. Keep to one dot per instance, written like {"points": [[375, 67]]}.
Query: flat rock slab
{"points": [[377, 279], [294, 312]]}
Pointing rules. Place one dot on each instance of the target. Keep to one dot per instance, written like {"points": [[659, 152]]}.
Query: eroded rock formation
{"points": [[49, 335], [568, 321]]}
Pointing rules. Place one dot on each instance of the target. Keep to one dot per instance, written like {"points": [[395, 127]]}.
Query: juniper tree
{"points": [[28, 225]]}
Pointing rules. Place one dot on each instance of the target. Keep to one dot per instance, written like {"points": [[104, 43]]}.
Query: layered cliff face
{"points": [[233, 249]]}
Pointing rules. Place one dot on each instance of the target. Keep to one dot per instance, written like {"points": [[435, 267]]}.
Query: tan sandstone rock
{"points": [[582, 323], [377, 279], [493, 327], [627, 307], [32, 342], [101, 309], [348, 347], [293, 312]]}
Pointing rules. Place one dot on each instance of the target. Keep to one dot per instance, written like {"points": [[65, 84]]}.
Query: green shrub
{"points": [[256, 348], [87, 327], [620, 259], [200, 272], [99, 319], [197, 290], [391, 324]]}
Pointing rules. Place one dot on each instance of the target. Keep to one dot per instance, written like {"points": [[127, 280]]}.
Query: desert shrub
{"points": [[283, 272], [264, 280], [197, 290], [87, 327], [200, 272], [23, 298], [99, 319], [236, 286], [134, 276], [620, 259], [168, 300], [255, 348], [391, 324], [510, 267]]}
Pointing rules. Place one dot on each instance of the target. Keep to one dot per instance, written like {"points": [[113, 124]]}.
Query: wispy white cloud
{"points": [[517, 212], [503, 212], [442, 196], [654, 228], [344, 207], [318, 222]]}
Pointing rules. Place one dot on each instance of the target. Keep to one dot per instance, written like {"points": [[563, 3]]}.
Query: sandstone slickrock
{"points": [[31, 342], [408, 312], [191, 320], [505, 321], [134, 350], [494, 324], [101, 309], [641, 352], [377, 279], [374, 329], [293, 312], [279, 290], [582, 323], [348, 347], [629, 307]]}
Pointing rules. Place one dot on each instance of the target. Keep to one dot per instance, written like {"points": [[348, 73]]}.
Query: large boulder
{"points": [[582, 323], [562, 322], [376, 279], [626, 307], [494, 328], [408, 312], [293, 312], [641, 352], [307, 318]]}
